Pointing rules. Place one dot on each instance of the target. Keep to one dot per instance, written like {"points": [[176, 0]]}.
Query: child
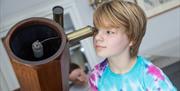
{"points": [[77, 75], [121, 26]]}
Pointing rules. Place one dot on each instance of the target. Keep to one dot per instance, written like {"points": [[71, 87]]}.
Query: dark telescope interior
{"points": [[22, 39]]}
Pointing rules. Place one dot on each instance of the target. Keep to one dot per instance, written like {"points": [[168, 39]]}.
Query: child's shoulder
{"points": [[151, 71], [147, 66], [99, 68], [96, 73], [154, 78], [144, 61]]}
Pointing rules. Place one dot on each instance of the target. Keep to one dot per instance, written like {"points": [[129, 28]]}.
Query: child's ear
{"points": [[130, 43]]}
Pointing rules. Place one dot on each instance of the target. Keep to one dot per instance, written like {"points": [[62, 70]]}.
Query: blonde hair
{"points": [[122, 13]]}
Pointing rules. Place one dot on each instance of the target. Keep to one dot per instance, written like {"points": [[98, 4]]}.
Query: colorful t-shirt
{"points": [[144, 76]]}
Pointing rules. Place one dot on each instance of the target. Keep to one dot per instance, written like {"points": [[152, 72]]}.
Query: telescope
{"points": [[38, 50]]}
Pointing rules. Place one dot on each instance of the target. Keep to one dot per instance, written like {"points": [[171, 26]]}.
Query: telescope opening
{"points": [[24, 36]]}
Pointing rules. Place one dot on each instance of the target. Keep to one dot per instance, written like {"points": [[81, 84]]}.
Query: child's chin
{"points": [[101, 55]]}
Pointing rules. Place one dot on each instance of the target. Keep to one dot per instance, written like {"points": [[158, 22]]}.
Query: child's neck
{"points": [[121, 65]]}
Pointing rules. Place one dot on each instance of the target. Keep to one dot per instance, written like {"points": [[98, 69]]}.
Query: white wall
{"points": [[13, 11], [163, 33]]}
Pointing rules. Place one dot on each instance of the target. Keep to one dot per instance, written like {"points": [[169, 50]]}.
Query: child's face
{"points": [[111, 42]]}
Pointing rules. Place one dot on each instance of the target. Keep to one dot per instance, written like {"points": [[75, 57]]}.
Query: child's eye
{"points": [[95, 31], [109, 32]]}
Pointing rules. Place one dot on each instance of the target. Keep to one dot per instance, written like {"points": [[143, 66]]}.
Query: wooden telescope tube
{"points": [[49, 72], [39, 52]]}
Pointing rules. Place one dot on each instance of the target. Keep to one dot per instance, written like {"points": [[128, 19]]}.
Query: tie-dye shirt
{"points": [[144, 76]]}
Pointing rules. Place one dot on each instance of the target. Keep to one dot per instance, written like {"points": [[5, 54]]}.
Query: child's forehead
{"points": [[109, 26], [105, 24]]}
